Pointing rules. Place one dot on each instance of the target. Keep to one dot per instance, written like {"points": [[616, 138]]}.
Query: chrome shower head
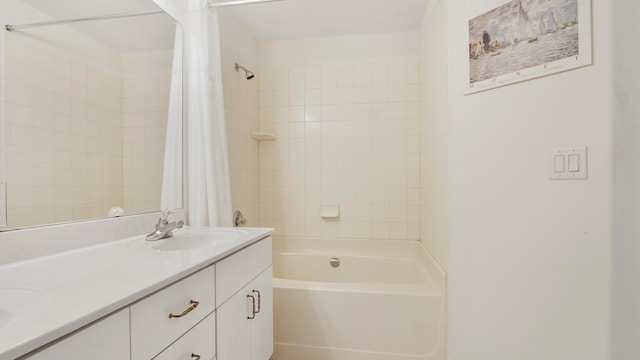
{"points": [[248, 74]]}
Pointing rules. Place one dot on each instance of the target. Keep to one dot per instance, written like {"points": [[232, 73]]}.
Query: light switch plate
{"points": [[575, 163]]}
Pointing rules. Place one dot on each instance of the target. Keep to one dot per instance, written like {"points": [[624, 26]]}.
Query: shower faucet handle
{"points": [[238, 219]]}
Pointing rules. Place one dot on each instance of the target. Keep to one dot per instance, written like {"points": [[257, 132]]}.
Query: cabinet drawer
{"points": [[152, 328], [236, 271], [201, 341]]}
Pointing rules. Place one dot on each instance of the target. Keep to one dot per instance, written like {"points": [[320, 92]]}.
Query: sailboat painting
{"points": [[526, 39]]}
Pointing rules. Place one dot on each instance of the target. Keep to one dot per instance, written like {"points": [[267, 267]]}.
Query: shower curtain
{"points": [[208, 183], [172, 171]]}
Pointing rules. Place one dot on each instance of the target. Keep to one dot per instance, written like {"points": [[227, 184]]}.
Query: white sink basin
{"points": [[196, 239], [17, 304], [5, 317]]}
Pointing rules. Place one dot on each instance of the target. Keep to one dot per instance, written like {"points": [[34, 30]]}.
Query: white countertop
{"points": [[45, 298]]}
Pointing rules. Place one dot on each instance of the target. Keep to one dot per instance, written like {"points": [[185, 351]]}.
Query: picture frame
{"points": [[527, 39]]}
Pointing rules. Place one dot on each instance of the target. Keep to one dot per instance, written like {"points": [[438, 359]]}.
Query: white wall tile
{"points": [[355, 147], [260, 104]]}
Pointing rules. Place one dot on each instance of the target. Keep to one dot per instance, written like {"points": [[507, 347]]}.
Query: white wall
{"points": [[346, 114], [626, 248], [530, 258], [434, 132]]}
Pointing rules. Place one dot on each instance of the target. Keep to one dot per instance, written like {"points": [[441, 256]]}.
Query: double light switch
{"points": [[569, 163]]}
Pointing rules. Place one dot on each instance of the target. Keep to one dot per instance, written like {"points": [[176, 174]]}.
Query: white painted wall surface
{"points": [[626, 247], [530, 258]]}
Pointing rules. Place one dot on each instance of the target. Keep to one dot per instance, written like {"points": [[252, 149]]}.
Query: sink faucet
{"points": [[164, 228]]}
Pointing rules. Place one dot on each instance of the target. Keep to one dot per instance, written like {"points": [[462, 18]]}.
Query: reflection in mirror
{"points": [[85, 111]]}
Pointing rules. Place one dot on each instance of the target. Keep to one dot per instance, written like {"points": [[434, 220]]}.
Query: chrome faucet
{"points": [[164, 228]]}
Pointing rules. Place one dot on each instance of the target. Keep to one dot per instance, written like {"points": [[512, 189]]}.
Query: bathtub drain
{"points": [[335, 262]]}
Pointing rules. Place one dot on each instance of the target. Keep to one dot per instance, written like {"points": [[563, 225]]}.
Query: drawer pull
{"points": [[256, 291], [194, 356], [253, 307], [194, 304]]}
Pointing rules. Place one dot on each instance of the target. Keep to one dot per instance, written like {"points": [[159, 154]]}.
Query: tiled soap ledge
{"points": [[261, 135]]}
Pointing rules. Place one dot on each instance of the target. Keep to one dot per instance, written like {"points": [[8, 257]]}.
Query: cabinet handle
{"points": [[194, 304], [256, 291], [253, 307], [194, 356]]}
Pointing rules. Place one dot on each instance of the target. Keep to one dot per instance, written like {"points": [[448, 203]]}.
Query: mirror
{"points": [[85, 110]]}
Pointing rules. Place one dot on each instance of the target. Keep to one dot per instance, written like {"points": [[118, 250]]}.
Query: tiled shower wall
{"points": [[435, 138], [346, 134], [241, 110]]}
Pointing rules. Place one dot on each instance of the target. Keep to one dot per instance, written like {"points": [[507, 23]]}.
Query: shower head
{"points": [[248, 74]]}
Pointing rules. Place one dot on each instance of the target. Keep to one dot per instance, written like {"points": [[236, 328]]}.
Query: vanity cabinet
{"points": [[245, 307], [107, 339], [222, 312]]}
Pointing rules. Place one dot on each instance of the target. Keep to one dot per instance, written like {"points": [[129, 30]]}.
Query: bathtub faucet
{"points": [[164, 228]]}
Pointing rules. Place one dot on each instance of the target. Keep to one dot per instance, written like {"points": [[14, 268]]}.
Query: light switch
{"points": [[574, 163], [558, 163], [568, 163]]}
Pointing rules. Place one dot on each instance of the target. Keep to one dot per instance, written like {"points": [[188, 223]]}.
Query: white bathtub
{"points": [[386, 303]]}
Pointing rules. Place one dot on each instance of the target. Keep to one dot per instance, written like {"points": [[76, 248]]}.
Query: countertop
{"points": [[45, 298]]}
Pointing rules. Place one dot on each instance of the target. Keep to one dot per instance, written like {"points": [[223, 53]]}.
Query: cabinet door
{"points": [[244, 333], [234, 342], [262, 325], [107, 339]]}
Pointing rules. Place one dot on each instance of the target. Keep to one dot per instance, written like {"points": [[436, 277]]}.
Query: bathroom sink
{"points": [[5, 317], [18, 304], [196, 239]]}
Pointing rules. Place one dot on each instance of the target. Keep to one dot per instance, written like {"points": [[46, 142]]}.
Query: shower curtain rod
{"points": [[9, 27]]}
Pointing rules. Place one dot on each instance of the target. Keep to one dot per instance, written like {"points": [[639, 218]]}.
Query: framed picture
{"points": [[526, 39]]}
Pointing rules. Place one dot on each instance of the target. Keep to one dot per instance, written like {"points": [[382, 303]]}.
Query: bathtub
{"points": [[386, 303]]}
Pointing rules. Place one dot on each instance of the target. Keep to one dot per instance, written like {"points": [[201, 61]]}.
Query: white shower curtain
{"points": [[209, 191], [172, 171]]}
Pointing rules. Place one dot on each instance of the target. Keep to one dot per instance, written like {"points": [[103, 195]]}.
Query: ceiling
{"points": [[296, 19]]}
